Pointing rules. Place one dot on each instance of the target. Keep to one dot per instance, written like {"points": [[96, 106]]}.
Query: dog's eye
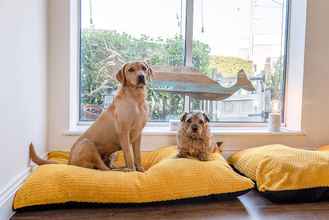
{"points": [[189, 121], [131, 69], [144, 68], [201, 122]]}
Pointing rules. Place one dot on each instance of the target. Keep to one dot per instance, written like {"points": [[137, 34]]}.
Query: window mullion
{"points": [[189, 32], [188, 43]]}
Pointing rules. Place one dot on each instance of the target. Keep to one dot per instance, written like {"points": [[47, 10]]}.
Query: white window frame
{"points": [[76, 126]]}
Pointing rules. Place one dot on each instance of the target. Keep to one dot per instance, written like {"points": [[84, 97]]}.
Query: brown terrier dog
{"points": [[194, 138]]}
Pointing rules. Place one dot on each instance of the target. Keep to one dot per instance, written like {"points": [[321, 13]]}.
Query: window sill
{"points": [[223, 131]]}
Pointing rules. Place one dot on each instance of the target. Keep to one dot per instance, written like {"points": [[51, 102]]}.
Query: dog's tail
{"points": [[36, 159]]}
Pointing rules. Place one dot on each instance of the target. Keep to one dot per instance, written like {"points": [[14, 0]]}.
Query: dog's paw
{"points": [[126, 169], [140, 169], [203, 157], [182, 155]]}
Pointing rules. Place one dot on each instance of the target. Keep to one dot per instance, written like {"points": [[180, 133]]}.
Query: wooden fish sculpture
{"points": [[188, 81]]}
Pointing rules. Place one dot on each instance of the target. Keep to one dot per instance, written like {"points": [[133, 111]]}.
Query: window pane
{"points": [[240, 34], [113, 33]]}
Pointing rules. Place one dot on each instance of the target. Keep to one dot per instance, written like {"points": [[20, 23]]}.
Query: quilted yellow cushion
{"points": [[166, 178], [285, 174]]}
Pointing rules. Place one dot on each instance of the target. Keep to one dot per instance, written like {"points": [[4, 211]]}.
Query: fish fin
{"points": [[243, 81]]}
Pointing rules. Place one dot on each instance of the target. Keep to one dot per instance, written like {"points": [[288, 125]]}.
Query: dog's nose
{"points": [[141, 79], [194, 127]]}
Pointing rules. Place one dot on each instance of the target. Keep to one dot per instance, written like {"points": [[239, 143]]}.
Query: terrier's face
{"points": [[194, 124]]}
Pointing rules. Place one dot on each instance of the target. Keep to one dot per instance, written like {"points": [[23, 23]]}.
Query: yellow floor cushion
{"points": [[285, 174], [166, 178]]}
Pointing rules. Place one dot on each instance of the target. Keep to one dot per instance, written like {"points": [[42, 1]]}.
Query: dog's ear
{"points": [[206, 117], [183, 117], [219, 146], [121, 75], [149, 71]]}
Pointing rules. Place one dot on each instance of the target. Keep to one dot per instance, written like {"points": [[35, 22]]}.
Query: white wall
{"points": [[315, 114], [23, 93], [312, 115], [58, 67]]}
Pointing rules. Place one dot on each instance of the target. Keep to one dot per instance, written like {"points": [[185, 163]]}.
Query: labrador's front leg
{"points": [[127, 151], [137, 153]]}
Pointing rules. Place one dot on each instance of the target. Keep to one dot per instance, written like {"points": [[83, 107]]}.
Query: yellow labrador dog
{"points": [[119, 127]]}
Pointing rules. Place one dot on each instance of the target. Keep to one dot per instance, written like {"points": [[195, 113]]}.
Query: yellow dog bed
{"points": [[285, 174], [166, 178]]}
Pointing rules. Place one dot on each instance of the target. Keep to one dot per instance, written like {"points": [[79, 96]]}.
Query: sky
{"points": [[228, 24]]}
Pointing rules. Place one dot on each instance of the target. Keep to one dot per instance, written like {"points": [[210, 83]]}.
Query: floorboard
{"points": [[250, 206]]}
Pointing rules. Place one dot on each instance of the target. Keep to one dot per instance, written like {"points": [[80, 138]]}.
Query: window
{"points": [[217, 38]]}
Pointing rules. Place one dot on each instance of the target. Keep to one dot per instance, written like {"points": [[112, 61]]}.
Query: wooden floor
{"points": [[249, 206]]}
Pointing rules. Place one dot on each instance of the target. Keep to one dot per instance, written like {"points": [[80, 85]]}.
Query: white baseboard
{"points": [[8, 193]]}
